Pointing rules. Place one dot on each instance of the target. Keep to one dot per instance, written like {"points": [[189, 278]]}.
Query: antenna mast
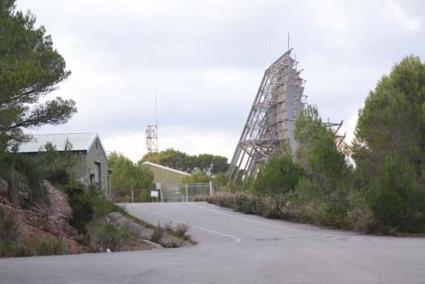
{"points": [[288, 40], [151, 132]]}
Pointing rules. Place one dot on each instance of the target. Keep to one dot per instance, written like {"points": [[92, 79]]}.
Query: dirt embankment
{"points": [[42, 222], [44, 228]]}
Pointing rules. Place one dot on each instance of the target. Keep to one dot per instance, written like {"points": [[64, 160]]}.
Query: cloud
{"points": [[205, 60], [395, 11]]}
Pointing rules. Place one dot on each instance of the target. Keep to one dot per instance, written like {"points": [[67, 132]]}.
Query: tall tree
{"points": [[389, 148], [317, 152], [393, 118], [30, 68], [126, 174], [207, 163]]}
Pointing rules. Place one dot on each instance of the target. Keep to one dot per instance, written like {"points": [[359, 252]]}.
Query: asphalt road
{"points": [[234, 248]]}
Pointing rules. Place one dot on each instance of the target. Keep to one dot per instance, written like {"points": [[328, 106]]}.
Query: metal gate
{"points": [[185, 192]]}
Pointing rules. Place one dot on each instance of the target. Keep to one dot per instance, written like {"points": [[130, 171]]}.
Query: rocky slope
{"points": [[42, 222]]}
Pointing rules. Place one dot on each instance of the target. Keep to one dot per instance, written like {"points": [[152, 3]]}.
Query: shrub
{"points": [[245, 203], [82, 207], [306, 190], [23, 175], [48, 247], [269, 206], [8, 228], [278, 175], [360, 217], [317, 151], [87, 206], [144, 196], [101, 205], [9, 235], [110, 236], [158, 232], [182, 229], [395, 199], [32, 248], [224, 199], [334, 212]]}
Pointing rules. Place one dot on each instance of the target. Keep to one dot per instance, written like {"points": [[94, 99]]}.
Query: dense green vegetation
{"points": [[269, 179], [127, 175], [382, 192], [89, 206], [206, 163], [30, 68], [197, 176], [389, 148]]}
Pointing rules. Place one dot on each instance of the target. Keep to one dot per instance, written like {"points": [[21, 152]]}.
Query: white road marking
{"points": [[236, 239]]}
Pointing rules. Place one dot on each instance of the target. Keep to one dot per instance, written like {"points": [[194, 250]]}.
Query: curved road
{"points": [[234, 248]]}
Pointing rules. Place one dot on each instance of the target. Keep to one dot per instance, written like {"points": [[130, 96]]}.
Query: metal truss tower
{"points": [[151, 134], [271, 121]]}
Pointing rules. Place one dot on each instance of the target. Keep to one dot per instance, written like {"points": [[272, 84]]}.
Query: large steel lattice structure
{"points": [[271, 121]]}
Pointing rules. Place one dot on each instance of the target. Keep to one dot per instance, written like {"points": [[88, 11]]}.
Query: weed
{"points": [[8, 227], [158, 232], [182, 229]]}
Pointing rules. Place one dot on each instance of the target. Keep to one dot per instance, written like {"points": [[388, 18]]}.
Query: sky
{"points": [[204, 61]]}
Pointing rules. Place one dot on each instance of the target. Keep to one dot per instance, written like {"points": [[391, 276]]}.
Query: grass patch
{"points": [[12, 243], [103, 235]]}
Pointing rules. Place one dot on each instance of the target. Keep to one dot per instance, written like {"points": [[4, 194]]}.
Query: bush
{"points": [[32, 248], [224, 199], [395, 199], [317, 151], [8, 228], [269, 206], [101, 205], [9, 235], [333, 213], [82, 207], [278, 175], [158, 232], [23, 176], [110, 236], [87, 206], [245, 203], [182, 229], [48, 247], [360, 217], [144, 196]]}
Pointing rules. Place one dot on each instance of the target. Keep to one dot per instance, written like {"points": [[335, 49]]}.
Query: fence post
{"points": [[211, 188], [187, 192], [132, 195]]}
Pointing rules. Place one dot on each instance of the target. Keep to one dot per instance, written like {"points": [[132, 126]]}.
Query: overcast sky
{"points": [[205, 60]]}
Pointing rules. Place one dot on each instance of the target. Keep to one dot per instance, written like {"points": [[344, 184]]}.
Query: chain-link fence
{"points": [[166, 193], [185, 192]]}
